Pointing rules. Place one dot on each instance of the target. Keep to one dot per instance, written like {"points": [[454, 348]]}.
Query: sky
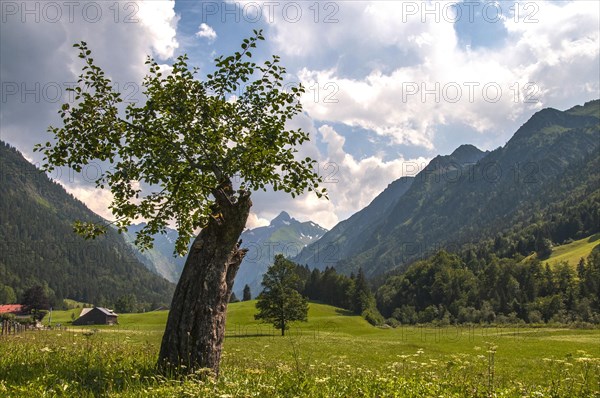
{"points": [[389, 84]]}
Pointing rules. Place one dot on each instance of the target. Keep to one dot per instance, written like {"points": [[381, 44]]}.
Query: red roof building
{"points": [[11, 309]]}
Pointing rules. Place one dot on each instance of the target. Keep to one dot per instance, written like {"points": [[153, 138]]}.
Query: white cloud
{"points": [[97, 200], [434, 81], [356, 183], [351, 183], [38, 55], [254, 221], [206, 32], [160, 22], [372, 57]]}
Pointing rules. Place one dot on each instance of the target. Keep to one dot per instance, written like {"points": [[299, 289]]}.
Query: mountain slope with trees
{"points": [[449, 203], [347, 237], [158, 259], [38, 245]]}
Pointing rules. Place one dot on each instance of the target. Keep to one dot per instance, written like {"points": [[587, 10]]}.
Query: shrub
{"points": [[373, 316]]}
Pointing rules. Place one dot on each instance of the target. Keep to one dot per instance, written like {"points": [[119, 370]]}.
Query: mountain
{"points": [[159, 259], [470, 194], [38, 245], [284, 235], [348, 238]]}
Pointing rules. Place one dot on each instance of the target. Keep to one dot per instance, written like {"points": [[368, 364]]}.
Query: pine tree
{"points": [[247, 294], [233, 298], [361, 294]]}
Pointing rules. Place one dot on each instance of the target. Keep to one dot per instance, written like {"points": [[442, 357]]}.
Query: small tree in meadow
{"points": [[280, 303], [35, 298]]}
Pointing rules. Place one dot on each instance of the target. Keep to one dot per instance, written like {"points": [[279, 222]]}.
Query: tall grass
{"points": [[88, 363]]}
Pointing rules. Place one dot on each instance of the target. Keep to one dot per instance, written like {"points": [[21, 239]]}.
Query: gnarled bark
{"points": [[196, 324]]}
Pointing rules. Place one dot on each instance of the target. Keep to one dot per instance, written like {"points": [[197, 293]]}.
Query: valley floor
{"points": [[332, 355]]}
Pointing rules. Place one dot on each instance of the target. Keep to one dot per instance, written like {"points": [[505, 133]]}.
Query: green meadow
{"points": [[574, 251], [334, 354]]}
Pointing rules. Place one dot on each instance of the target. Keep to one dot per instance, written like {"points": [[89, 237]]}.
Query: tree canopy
{"points": [[280, 302], [175, 152]]}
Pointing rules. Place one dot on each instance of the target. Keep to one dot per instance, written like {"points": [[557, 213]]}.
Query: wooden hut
{"points": [[96, 316]]}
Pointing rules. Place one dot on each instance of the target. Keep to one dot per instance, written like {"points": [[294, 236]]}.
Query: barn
{"points": [[96, 316]]}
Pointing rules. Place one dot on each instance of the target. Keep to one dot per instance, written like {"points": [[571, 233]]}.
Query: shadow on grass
{"points": [[341, 311]]}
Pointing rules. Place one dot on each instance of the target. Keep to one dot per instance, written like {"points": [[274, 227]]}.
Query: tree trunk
{"points": [[196, 324]]}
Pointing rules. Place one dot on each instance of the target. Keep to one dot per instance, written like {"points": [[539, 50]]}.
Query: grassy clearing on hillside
{"points": [[332, 355], [570, 252], [574, 251]]}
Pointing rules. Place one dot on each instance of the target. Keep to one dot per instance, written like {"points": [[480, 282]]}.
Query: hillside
{"points": [[347, 237], [240, 318], [452, 202], [571, 252], [159, 259], [38, 245], [574, 251]]}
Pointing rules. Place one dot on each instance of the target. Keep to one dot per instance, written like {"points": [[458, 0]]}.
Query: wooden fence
{"points": [[12, 327]]}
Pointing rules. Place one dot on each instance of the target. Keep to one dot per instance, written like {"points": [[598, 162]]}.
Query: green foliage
{"points": [[361, 294], [36, 298], [127, 303], [280, 302], [445, 286], [186, 141], [373, 316], [7, 295], [328, 287], [247, 293], [7, 317]]}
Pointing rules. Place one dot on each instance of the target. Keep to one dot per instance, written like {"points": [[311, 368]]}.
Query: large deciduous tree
{"points": [[190, 154], [280, 302]]}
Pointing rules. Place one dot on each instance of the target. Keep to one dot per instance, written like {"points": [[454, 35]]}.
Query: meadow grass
{"points": [[570, 253], [574, 251], [334, 354]]}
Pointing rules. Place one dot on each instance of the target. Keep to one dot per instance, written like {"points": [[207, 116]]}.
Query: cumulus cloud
{"points": [[351, 183], [371, 65], [39, 63], [206, 32], [549, 58], [355, 183], [254, 221], [97, 200]]}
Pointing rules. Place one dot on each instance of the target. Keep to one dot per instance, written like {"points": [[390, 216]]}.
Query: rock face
{"points": [[284, 235]]}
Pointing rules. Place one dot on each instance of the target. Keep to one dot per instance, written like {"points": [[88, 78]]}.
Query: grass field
{"points": [[334, 354], [574, 251], [570, 252]]}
